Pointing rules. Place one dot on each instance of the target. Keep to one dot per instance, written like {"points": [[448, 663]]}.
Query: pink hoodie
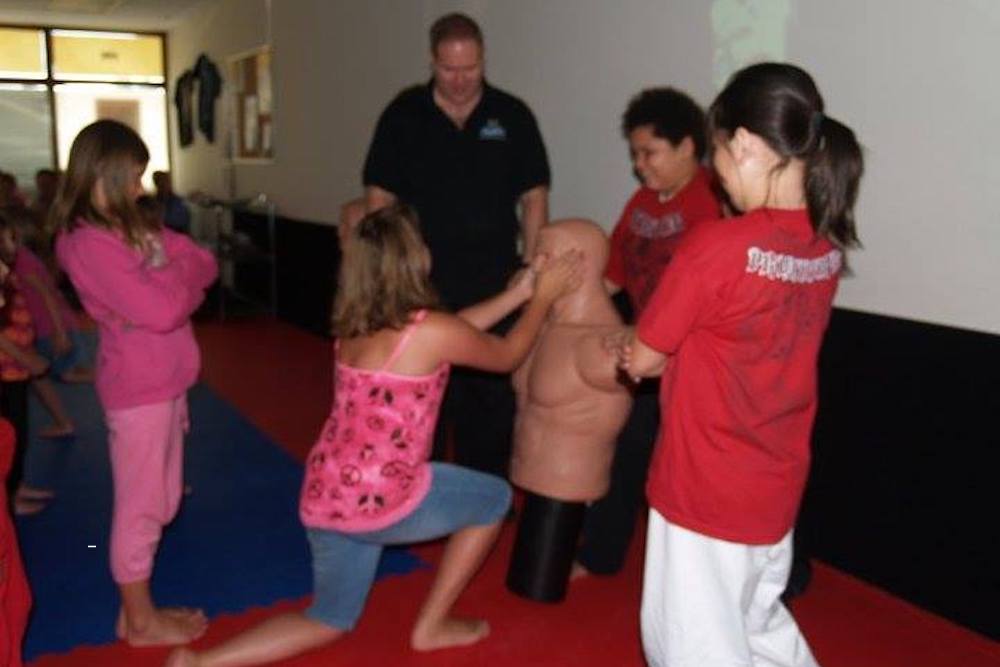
{"points": [[146, 351]]}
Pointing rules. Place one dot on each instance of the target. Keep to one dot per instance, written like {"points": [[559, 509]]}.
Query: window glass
{"points": [[22, 53], [143, 108], [83, 55], [26, 140]]}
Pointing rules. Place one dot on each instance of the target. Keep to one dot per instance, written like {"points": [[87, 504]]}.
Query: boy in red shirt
{"points": [[665, 130]]}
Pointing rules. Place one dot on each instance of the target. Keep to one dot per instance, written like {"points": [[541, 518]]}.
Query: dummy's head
{"points": [[384, 274], [586, 236], [351, 213]]}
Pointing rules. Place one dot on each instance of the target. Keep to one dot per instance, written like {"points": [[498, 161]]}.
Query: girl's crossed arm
{"points": [[116, 275], [197, 264]]}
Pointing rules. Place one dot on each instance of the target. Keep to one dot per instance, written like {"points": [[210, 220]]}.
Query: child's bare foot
{"points": [[578, 571], [182, 657], [449, 632], [34, 493], [167, 627], [28, 506], [56, 431]]}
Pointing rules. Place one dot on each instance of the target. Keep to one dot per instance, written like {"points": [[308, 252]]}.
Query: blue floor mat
{"points": [[236, 543]]}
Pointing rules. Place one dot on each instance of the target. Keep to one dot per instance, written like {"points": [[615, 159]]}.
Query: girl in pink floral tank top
{"points": [[369, 467], [368, 482]]}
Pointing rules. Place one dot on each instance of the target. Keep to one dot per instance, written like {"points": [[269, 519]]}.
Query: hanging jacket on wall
{"points": [[183, 99], [209, 88]]}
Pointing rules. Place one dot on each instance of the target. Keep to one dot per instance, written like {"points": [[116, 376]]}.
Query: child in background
{"points": [[735, 326], [665, 130], [368, 480], [19, 363], [140, 284], [57, 335], [151, 209]]}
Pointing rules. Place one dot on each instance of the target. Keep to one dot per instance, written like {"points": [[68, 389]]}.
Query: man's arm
{"points": [[534, 215]]}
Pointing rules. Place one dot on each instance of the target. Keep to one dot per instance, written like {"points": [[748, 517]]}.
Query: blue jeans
{"points": [[344, 564]]}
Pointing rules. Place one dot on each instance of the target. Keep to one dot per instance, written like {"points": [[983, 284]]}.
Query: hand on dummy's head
{"points": [[523, 283], [558, 275]]}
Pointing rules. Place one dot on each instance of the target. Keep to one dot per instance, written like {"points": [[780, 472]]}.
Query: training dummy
{"points": [[570, 406]]}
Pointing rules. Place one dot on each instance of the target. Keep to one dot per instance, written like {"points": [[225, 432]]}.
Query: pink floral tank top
{"points": [[369, 468]]}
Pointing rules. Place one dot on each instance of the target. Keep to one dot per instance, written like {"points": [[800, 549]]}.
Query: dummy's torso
{"points": [[570, 410]]}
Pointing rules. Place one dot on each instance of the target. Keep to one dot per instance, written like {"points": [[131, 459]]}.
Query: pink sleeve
{"points": [[198, 264], [106, 270]]}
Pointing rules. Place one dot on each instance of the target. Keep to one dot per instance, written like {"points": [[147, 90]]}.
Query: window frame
{"points": [[50, 81]]}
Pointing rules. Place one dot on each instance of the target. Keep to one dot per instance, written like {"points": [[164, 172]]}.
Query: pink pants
{"points": [[147, 460]]}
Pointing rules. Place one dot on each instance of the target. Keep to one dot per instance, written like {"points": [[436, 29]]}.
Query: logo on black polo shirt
{"points": [[493, 131]]}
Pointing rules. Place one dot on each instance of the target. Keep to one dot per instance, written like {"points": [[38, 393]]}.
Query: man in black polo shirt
{"points": [[470, 159]]}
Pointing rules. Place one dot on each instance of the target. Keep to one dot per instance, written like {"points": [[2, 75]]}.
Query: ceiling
{"points": [[134, 14]]}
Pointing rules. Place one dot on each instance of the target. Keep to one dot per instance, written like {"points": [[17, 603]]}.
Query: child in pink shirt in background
{"points": [[19, 363], [57, 336], [140, 284]]}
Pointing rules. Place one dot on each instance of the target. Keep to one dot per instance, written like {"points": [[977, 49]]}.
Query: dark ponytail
{"points": [[833, 171], [781, 104]]}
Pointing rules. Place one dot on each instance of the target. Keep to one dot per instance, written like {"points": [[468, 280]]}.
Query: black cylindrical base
{"points": [[545, 547]]}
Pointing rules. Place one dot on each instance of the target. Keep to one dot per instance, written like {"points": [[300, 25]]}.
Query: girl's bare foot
{"points": [[449, 632], [578, 571], [28, 506], [33, 493], [182, 657], [166, 627]]}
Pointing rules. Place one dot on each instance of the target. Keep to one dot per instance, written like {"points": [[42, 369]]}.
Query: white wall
{"points": [[915, 78]]}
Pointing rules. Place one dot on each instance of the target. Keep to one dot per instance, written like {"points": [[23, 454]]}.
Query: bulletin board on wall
{"points": [[252, 104]]}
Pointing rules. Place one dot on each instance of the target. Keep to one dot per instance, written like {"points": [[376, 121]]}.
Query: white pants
{"points": [[712, 603]]}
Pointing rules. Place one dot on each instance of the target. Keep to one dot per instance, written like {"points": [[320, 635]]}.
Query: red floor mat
{"points": [[279, 377]]}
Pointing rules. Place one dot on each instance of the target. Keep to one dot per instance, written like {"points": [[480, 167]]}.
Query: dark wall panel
{"points": [[308, 258], [906, 466]]}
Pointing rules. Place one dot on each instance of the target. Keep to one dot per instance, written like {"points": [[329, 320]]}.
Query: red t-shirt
{"points": [[649, 230], [741, 310], [15, 596]]}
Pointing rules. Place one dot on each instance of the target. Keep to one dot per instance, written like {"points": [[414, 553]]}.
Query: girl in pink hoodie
{"points": [[140, 284]]}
